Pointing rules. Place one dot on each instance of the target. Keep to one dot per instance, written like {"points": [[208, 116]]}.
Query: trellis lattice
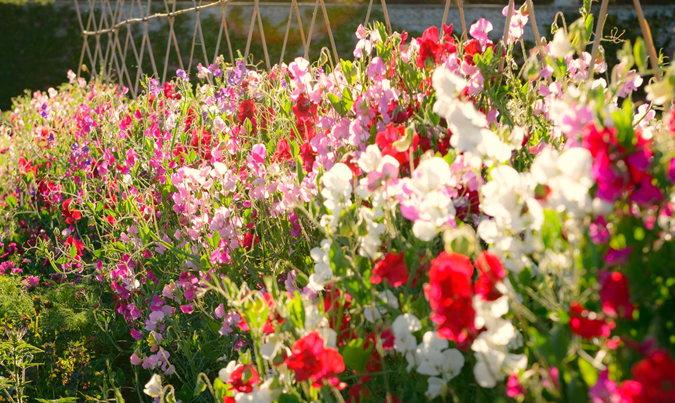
{"points": [[110, 29]]}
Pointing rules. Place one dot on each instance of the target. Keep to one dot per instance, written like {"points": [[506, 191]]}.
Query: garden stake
{"points": [[86, 41], [262, 35], [535, 30], [507, 26], [445, 13], [130, 40], [121, 54], [223, 27], [598, 37], [172, 35], [294, 5], [147, 39], [647, 33], [386, 16], [461, 16], [330, 31], [311, 28], [370, 7], [250, 32]]}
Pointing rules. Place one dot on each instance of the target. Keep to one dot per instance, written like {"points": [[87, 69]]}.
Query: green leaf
{"points": [[73, 251], [347, 70], [297, 311], [355, 356], [640, 54], [588, 26], [623, 121], [337, 104], [11, 201], [295, 148], [288, 398], [286, 106], [347, 100], [199, 387], [551, 231], [215, 239], [588, 372], [220, 389]]}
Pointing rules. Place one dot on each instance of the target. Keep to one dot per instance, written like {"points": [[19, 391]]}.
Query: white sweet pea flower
{"points": [[369, 160], [431, 174], [154, 387], [507, 195], [560, 46], [437, 387], [567, 176], [428, 198], [263, 394], [468, 125], [493, 360], [404, 341], [447, 86], [337, 193], [337, 188], [322, 270], [370, 243], [659, 92]]}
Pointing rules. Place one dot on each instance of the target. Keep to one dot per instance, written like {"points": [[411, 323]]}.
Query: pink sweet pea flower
{"points": [[480, 31]]}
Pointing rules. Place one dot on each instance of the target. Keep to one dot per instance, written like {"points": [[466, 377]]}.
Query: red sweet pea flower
{"points": [[430, 47], [357, 392], [71, 216], [201, 142], [448, 40], [304, 109], [387, 337], [244, 378], [311, 360], [491, 271], [283, 151], [79, 246], [450, 295], [179, 151], [471, 48], [249, 241], [392, 269], [653, 379], [586, 323], [308, 156], [595, 140], [248, 110], [385, 140], [26, 166], [170, 93], [614, 294]]}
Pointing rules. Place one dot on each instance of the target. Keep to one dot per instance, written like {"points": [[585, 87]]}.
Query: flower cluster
{"points": [[425, 217]]}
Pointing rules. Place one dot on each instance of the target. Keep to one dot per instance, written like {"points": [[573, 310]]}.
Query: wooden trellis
{"points": [[114, 20]]}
